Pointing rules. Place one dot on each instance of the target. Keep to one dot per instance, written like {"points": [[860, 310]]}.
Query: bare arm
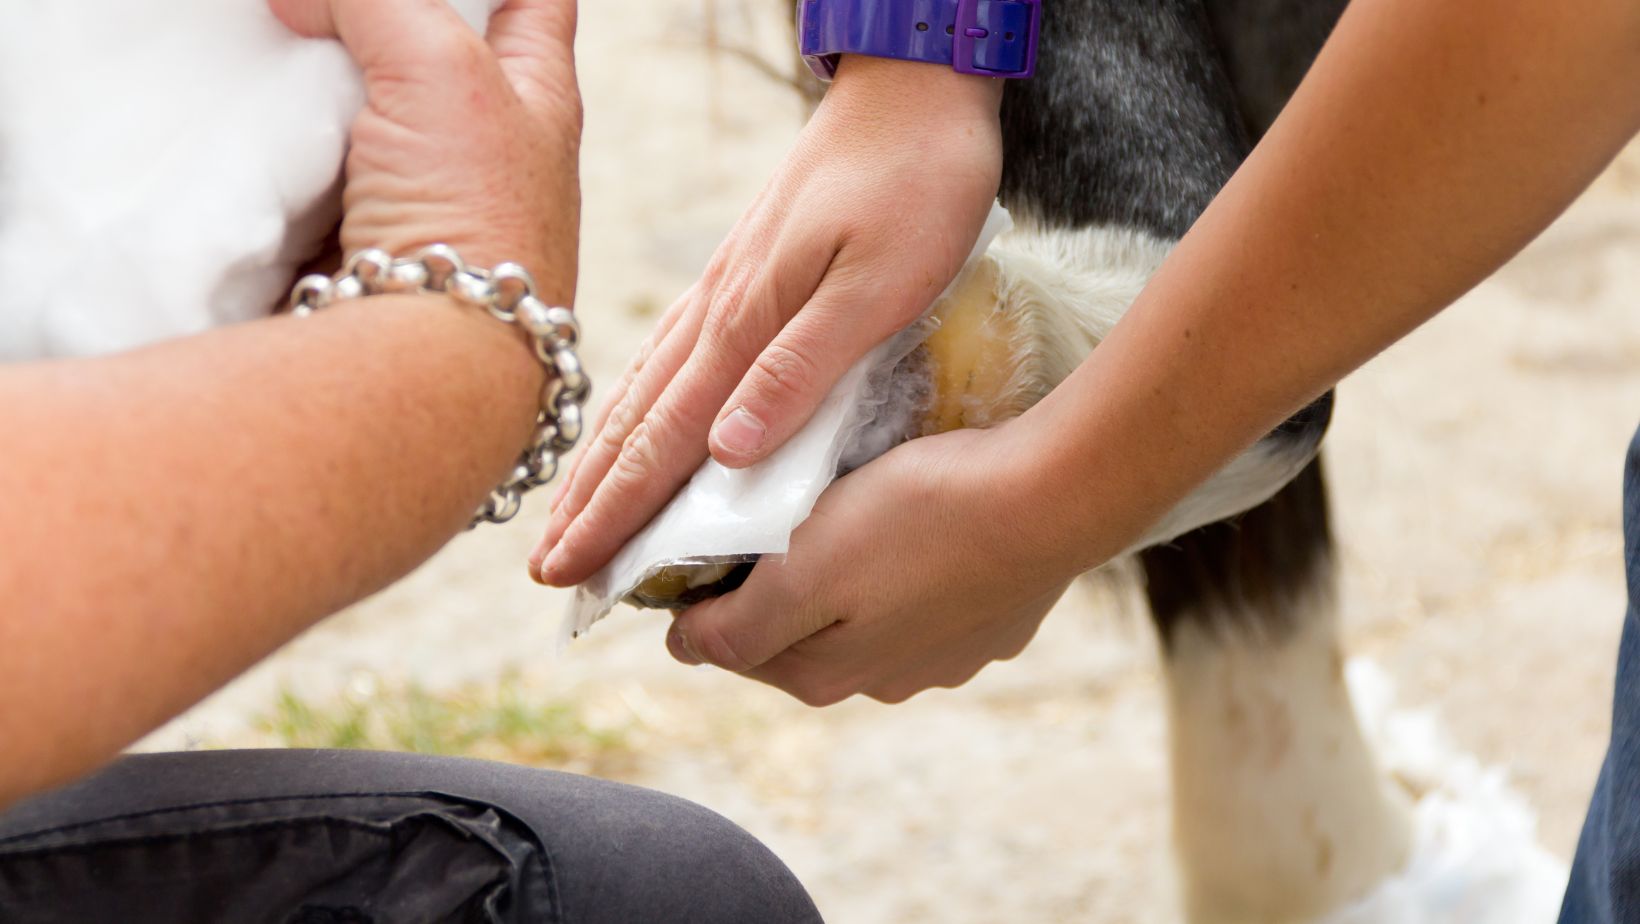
{"points": [[1430, 142], [1428, 145], [171, 515]]}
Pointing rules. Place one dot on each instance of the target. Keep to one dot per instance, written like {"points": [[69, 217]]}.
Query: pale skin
{"points": [[174, 514], [1291, 279], [1430, 143], [874, 210]]}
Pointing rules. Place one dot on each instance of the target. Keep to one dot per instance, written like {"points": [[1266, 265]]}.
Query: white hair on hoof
{"points": [[1303, 795], [1280, 812], [1475, 855]]}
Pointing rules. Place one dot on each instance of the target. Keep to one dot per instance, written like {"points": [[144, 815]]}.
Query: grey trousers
{"points": [[332, 837]]}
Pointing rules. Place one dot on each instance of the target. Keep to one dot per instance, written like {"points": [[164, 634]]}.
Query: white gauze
{"points": [[165, 166], [727, 514]]}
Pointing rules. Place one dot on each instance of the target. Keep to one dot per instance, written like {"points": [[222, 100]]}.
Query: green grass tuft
{"points": [[499, 721]]}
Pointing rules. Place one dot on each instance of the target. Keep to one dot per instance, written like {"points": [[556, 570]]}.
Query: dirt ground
{"points": [[1476, 472]]}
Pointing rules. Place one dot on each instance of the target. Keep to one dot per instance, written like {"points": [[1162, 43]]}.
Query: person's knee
{"points": [[567, 846], [620, 853]]}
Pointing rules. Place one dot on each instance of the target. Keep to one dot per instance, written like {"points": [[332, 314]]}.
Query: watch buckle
{"points": [[996, 38]]}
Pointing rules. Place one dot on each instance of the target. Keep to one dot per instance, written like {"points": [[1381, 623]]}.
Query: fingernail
{"points": [[548, 542], [552, 564], [740, 432], [678, 644]]}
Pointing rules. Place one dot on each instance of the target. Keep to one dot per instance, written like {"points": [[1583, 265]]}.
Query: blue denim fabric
{"points": [[1605, 884]]}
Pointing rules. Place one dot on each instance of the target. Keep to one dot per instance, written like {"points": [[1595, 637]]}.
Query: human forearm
{"points": [[170, 515], [264, 475], [1429, 143], [888, 91]]}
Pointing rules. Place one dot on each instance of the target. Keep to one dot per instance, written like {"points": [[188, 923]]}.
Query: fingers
{"points": [[652, 343], [826, 668], [535, 42], [539, 32], [656, 364], [391, 34], [625, 414], [421, 61], [956, 666], [660, 454], [425, 41], [617, 394], [666, 424], [843, 321], [309, 18], [623, 408], [807, 676], [789, 379], [743, 631]]}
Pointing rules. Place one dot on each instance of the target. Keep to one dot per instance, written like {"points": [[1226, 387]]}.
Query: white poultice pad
{"points": [[165, 166], [727, 514]]}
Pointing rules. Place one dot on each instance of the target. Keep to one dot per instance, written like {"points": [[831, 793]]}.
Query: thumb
{"points": [[535, 40], [392, 39], [743, 630], [793, 375], [309, 18]]}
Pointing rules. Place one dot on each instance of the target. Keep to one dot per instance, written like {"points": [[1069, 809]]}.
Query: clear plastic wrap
{"points": [[726, 516]]}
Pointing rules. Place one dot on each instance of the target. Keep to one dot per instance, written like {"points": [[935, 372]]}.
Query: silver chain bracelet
{"points": [[508, 294]]}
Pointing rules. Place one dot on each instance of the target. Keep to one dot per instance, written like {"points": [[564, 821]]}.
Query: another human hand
{"points": [[914, 572], [464, 141], [869, 218]]}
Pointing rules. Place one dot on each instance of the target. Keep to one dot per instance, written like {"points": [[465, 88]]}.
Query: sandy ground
{"points": [[1476, 469]]}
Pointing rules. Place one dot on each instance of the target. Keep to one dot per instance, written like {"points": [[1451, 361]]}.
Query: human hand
{"points": [[913, 572], [463, 141], [869, 218]]}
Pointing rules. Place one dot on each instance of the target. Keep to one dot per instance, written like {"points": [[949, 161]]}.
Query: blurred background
{"points": [[1475, 468]]}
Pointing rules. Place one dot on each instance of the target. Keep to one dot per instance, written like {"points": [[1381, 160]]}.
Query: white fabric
{"points": [[165, 165]]}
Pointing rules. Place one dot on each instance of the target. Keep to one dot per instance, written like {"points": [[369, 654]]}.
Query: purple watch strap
{"points": [[992, 38]]}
